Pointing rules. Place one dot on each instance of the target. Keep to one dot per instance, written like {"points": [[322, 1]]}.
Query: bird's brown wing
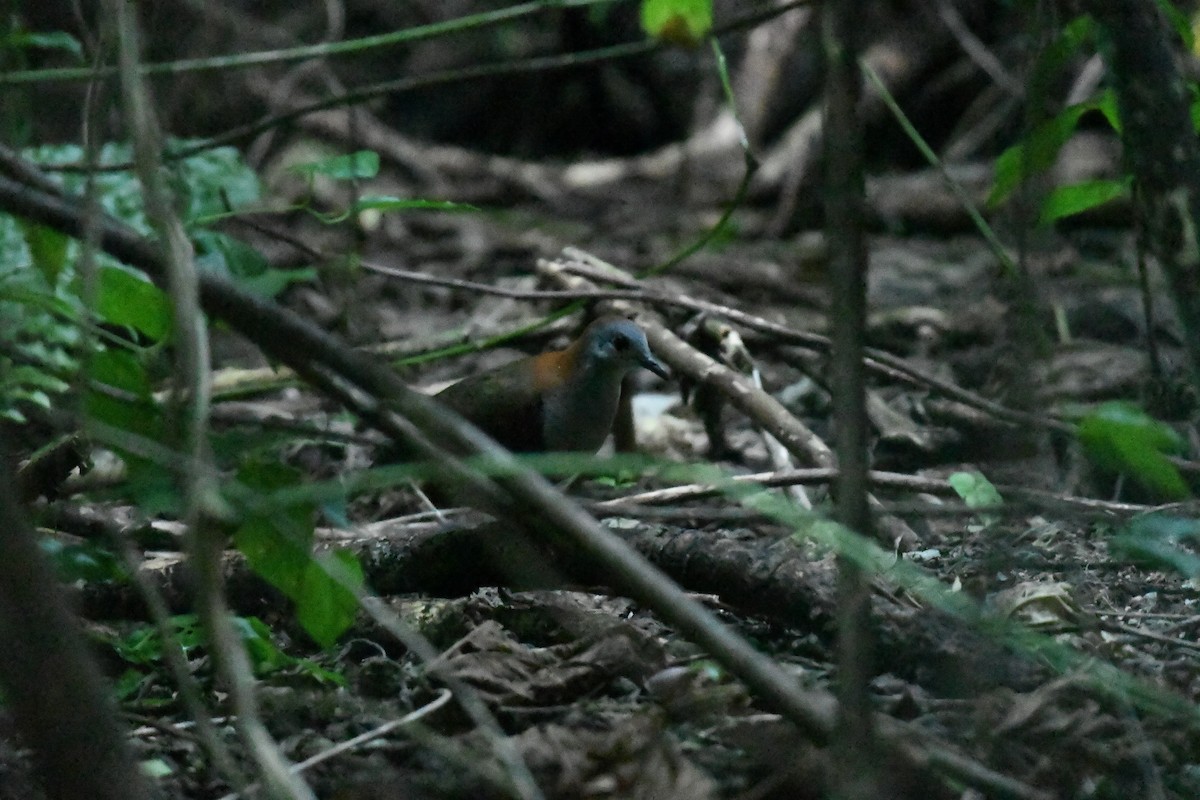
{"points": [[503, 404]]}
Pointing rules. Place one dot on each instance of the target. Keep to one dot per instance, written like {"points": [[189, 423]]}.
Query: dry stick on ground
{"points": [[761, 407], [315, 354], [883, 480]]}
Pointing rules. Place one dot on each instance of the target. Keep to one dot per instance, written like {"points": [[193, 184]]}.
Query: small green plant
{"points": [[1160, 541], [977, 492], [1039, 149], [682, 22], [142, 649], [364, 165], [106, 336]]}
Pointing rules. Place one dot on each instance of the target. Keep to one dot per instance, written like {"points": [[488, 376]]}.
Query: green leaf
{"points": [[279, 548], [1106, 104], [1079, 197], [974, 489], [326, 608], [127, 299], [1122, 438], [119, 394], [156, 768], [86, 561], [49, 40], [214, 182], [256, 636], [273, 281], [48, 249], [1159, 541], [225, 255], [681, 22], [358, 166], [1054, 60], [1179, 21], [143, 646], [152, 488], [266, 657], [130, 684], [1038, 151], [120, 370]]}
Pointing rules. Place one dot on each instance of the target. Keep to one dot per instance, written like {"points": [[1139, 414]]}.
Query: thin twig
{"points": [[344, 747], [194, 381]]}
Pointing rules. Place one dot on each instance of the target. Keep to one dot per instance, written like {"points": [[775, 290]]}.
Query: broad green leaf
{"points": [[326, 609], [323, 607], [1123, 438], [120, 393], [360, 165], [1076, 198], [279, 548], [127, 299], [681, 22], [267, 657], [153, 488], [121, 370], [226, 255], [1106, 104], [119, 396], [281, 557], [130, 684], [1053, 61]]}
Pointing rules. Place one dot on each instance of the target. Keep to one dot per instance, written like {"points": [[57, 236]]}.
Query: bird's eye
{"points": [[620, 343]]}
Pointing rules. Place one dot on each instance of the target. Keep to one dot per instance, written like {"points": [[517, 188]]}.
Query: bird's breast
{"points": [[580, 417]]}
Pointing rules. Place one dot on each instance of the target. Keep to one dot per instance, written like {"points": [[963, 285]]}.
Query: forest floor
{"points": [[600, 697]]}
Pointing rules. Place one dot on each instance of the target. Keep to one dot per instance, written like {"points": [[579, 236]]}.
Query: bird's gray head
{"points": [[620, 343]]}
